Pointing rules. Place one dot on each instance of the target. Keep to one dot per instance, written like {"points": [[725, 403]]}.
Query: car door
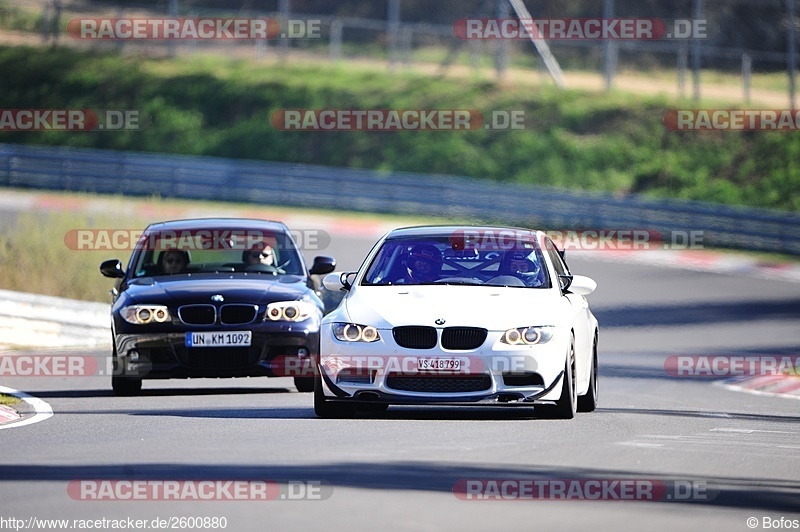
{"points": [[580, 316]]}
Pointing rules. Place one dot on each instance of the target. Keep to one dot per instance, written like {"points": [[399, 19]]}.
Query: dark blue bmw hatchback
{"points": [[215, 298]]}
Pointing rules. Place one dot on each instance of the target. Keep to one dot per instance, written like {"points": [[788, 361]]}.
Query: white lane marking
{"points": [[750, 431], [42, 409], [641, 444], [736, 388]]}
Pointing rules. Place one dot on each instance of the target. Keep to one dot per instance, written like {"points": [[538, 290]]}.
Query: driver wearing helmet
{"points": [[523, 265], [423, 265]]}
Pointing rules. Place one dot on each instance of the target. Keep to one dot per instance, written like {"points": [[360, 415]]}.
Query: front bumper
{"points": [[275, 351], [495, 373]]}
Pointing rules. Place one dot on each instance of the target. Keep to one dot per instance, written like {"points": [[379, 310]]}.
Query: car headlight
{"points": [[353, 332], [527, 335], [144, 314], [290, 311]]}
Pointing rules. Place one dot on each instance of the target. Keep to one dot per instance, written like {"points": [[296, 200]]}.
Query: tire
{"points": [[123, 386], [304, 384], [588, 401], [126, 386], [567, 404], [328, 409]]}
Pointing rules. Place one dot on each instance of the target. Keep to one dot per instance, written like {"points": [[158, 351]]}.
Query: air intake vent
{"points": [[414, 337], [198, 314], [439, 383], [219, 357], [237, 314], [463, 338]]}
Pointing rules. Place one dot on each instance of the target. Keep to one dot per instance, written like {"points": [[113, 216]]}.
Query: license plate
{"points": [[219, 339], [439, 364]]}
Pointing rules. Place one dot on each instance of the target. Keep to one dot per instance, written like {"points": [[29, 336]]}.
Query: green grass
{"points": [[35, 258], [205, 105], [8, 400], [19, 18]]}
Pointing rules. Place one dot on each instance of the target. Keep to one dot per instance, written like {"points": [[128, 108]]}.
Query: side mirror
{"points": [[112, 268], [322, 265], [338, 281], [582, 285]]}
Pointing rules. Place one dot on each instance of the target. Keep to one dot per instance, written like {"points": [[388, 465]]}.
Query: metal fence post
{"points": [[407, 44], [791, 45], [45, 23], [173, 11], [393, 31], [697, 14], [501, 59], [335, 40], [747, 67], [260, 48], [609, 47], [683, 63], [284, 6], [56, 20]]}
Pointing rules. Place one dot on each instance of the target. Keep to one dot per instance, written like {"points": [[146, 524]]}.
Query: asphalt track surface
{"points": [[397, 471]]}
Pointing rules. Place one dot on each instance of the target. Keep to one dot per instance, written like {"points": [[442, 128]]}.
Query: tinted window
{"points": [[555, 257], [443, 260], [194, 251]]}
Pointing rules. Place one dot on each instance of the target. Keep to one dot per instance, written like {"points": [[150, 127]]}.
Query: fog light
{"points": [[302, 352], [132, 367], [133, 355]]}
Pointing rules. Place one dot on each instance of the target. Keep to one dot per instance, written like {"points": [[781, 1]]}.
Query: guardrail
{"points": [[301, 185]]}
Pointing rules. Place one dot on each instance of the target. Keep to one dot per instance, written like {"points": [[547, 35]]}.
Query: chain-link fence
{"points": [[733, 38]]}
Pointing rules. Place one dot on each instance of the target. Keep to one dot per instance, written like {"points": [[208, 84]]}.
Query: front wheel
{"points": [[567, 404], [123, 386], [328, 409], [588, 402], [304, 384], [126, 386]]}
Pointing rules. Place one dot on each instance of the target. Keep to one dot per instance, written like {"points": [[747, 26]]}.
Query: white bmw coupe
{"points": [[459, 315]]}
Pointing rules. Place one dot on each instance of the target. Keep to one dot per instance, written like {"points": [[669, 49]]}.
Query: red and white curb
{"points": [[771, 385], [703, 260], [8, 414], [42, 410]]}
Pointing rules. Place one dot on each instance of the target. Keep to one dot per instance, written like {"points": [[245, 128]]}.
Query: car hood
{"points": [[493, 308], [185, 290]]}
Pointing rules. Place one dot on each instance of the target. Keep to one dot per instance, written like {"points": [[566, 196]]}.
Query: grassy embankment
{"points": [[34, 257], [205, 105], [212, 106], [8, 400], [37, 257]]}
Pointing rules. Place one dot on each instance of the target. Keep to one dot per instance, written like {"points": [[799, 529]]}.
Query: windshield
{"points": [[443, 260], [184, 252]]}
